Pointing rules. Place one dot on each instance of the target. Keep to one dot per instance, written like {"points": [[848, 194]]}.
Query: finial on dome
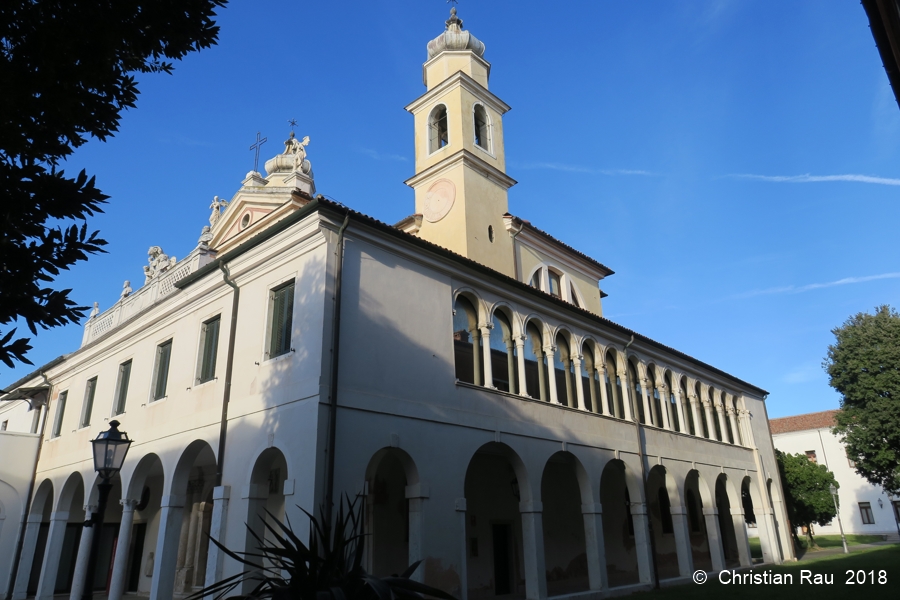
{"points": [[454, 38]]}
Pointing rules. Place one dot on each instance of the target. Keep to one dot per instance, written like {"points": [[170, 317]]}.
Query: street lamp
{"points": [[834, 497], [110, 449]]}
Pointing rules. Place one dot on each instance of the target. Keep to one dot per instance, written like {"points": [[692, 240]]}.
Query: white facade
{"points": [[505, 434], [865, 508]]}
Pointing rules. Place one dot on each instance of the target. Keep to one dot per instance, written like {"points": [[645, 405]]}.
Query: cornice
{"points": [[459, 79], [466, 158]]}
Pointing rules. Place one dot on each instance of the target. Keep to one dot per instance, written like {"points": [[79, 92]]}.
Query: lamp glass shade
{"points": [[833, 489], [110, 449]]}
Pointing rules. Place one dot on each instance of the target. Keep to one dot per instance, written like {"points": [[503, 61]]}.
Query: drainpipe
{"points": [[515, 257], [640, 445], [229, 367], [335, 358], [20, 539]]}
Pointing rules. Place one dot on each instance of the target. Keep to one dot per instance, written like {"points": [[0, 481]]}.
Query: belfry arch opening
{"points": [[438, 133], [482, 128]]}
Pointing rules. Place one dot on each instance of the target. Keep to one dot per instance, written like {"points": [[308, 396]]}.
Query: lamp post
{"points": [[110, 449], [834, 497]]}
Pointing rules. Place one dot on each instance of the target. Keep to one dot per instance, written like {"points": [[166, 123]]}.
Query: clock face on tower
{"points": [[439, 200]]}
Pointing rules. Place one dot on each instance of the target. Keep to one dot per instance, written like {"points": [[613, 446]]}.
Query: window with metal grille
{"points": [[122, 387], [209, 343], [161, 371], [88, 406], [865, 511], [281, 310], [60, 413]]}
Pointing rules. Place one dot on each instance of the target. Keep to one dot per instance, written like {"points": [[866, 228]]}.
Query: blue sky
{"points": [[736, 163]]}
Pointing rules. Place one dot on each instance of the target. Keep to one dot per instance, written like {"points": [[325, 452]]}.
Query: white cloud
{"points": [[804, 373], [807, 178], [796, 289]]}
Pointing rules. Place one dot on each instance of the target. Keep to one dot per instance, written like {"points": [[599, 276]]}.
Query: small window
{"points": [[281, 310], [865, 511], [60, 413], [4, 425], [574, 295], [89, 391], [35, 420], [209, 344], [161, 372], [811, 455], [245, 220], [536, 279], [437, 129], [482, 128], [555, 285], [122, 387], [491, 233]]}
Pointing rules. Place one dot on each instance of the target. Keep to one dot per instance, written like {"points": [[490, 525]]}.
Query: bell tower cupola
{"points": [[461, 182]]}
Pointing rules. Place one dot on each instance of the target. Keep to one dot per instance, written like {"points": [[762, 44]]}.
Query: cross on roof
{"points": [[257, 146]]}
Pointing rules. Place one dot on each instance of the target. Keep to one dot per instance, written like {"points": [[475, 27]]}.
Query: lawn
{"points": [[824, 541], [886, 559]]}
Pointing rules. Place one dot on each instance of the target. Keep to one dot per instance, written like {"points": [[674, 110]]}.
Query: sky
{"points": [[737, 164]]}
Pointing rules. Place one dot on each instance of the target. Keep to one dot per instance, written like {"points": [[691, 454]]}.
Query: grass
{"points": [[886, 558], [834, 541]]}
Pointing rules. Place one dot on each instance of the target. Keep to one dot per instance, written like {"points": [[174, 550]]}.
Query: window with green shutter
{"points": [[122, 386], [88, 406], [281, 302], [209, 343], [60, 413], [161, 373]]}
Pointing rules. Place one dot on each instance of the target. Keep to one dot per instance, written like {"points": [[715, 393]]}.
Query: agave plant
{"points": [[328, 568]]}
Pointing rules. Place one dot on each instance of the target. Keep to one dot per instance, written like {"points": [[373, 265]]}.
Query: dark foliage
{"points": [[66, 73], [329, 568], [864, 366], [807, 492]]}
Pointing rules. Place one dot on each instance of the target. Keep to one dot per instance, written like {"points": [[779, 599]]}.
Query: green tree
{"points": [[864, 366], [67, 71], [807, 489]]}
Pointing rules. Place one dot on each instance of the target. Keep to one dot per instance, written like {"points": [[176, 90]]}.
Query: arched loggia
{"points": [[393, 521], [565, 551]]}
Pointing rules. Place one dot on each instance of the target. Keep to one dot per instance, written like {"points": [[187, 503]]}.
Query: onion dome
{"points": [[454, 38]]}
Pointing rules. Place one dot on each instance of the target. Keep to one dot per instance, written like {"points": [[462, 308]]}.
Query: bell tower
{"points": [[461, 182]]}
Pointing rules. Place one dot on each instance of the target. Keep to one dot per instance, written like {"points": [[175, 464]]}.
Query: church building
{"points": [[494, 424]]}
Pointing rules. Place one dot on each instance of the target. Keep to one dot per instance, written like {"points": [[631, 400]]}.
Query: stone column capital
{"points": [[129, 503]]}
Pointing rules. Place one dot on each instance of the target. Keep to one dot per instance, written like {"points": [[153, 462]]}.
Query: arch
{"points": [[634, 391], [535, 360], [393, 512], [617, 492], [564, 368], [467, 344], [43, 499], [565, 487], [504, 362], [265, 503], [653, 392], [615, 387], [697, 497], [662, 494], [481, 121], [438, 128], [591, 367], [675, 416], [726, 499], [149, 465]]}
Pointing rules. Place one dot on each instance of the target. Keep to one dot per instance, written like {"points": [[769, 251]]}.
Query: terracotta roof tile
{"points": [[815, 420]]}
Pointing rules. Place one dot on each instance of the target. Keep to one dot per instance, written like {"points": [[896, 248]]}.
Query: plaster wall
{"points": [[18, 453]]}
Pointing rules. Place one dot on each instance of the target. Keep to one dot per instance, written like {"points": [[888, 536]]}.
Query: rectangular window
{"points": [[161, 371], [4, 425], [88, 407], [865, 511], [122, 387], [811, 455], [35, 420], [60, 413], [281, 305], [209, 343]]}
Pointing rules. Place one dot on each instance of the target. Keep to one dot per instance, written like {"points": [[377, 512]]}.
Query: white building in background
{"points": [[455, 368], [865, 508]]}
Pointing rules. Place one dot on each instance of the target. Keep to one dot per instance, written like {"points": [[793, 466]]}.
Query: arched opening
{"points": [[145, 489], [467, 342], [388, 524], [62, 540], [535, 362], [265, 500], [714, 412], [696, 521], [636, 393], [438, 135], [495, 484], [564, 372], [573, 294], [555, 281], [614, 386], [726, 523], [655, 401], [688, 410], [503, 353], [482, 128], [703, 413], [751, 524], [590, 382], [677, 425], [618, 526], [659, 509], [41, 505], [564, 543]]}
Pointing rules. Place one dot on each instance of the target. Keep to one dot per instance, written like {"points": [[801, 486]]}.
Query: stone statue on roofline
{"points": [[216, 205], [95, 311], [297, 148], [126, 290], [159, 262]]}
